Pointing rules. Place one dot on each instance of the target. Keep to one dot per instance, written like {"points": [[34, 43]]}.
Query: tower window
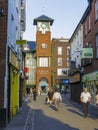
{"points": [[43, 62]]}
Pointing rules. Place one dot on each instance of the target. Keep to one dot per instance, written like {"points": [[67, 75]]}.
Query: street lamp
{"points": [[76, 50], [2, 12]]}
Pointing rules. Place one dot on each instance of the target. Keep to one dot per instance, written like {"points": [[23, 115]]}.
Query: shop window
{"points": [[96, 9], [93, 84], [97, 46]]}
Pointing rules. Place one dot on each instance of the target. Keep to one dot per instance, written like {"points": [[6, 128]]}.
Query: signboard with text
{"points": [[14, 60], [21, 42], [65, 81], [87, 53]]}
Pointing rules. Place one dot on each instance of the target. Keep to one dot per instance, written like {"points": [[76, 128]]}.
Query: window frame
{"points": [[59, 50], [59, 61], [97, 45], [96, 10], [43, 62]]}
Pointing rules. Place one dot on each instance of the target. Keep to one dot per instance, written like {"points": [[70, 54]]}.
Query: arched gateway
{"points": [[43, 85]]}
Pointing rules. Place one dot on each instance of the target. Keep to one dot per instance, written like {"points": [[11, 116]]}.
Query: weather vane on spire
{"points": [[43, 7]]}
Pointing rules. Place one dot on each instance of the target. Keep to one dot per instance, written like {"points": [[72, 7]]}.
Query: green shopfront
{"points": [[91, 82]]}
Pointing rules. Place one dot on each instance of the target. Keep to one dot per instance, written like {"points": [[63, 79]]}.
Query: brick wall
{"points": [[64, 45], [3, 42], [91, 37]]}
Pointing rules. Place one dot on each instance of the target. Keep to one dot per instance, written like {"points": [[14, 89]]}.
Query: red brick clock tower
{"points": [[43, 53]]}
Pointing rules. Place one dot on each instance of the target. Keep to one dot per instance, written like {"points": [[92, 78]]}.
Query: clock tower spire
{"points": [[43, 53]]}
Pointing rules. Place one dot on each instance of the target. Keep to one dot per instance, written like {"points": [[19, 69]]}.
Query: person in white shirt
{"points": [[57, 99], [85, 98], [31, 91]]}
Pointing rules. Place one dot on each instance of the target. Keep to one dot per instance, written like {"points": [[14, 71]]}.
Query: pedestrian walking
{"points": [[85, 98], [31, 91], [97, 98], [57, 98], [34, 94], [47, 100], [50, 96]]}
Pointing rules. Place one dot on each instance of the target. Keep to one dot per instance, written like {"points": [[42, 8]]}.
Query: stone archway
{"points": [[43, 85]]}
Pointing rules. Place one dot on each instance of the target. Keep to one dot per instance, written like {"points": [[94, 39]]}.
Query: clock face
{"points": [[43, 26]]}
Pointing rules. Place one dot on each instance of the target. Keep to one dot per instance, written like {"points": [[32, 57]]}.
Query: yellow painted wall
{"points": [[14, 104]]}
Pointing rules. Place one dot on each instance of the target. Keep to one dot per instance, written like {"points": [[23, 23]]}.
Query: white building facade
{"points": [[76, 45]]}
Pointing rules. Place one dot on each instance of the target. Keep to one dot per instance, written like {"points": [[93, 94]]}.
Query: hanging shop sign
{"points": [[90, 77], [65, 81], [87, 53], [21, 42], [26, 70]]}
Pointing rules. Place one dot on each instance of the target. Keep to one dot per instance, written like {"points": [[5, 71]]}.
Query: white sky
{"points": [[66, 15]]}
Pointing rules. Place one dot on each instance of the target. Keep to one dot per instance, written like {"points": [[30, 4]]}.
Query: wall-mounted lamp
{"points": [[2, 12], [15, 71], [76, 50]]}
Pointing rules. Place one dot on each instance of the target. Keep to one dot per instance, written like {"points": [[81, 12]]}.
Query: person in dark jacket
{"points": [[34, 94], [50, 95]]}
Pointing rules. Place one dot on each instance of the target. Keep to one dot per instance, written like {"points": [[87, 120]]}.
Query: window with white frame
{"points": [[81, 39], [43, 62], [67, 61], [86, 28], [89, 22], [59, 61], [97, 46], [60, 72], [68, 49], [96, 9], [59, 50]]}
